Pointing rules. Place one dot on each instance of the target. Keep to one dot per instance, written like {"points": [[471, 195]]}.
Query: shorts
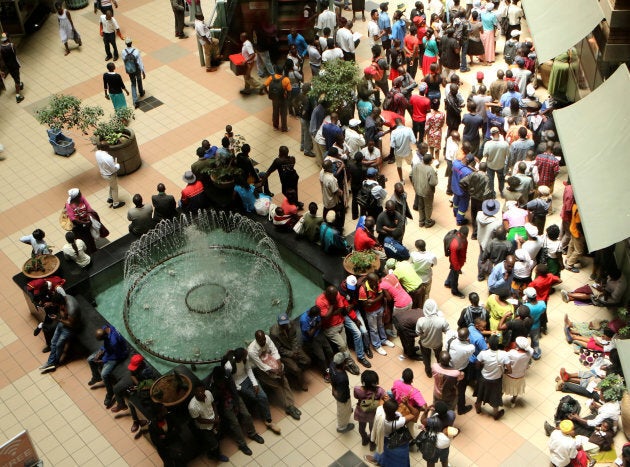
{"points": [[400, 159]]}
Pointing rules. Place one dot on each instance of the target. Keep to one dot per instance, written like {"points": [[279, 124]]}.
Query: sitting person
{"points": [[312, 224], [283, 221], [364, 238], [603, 436], [140, 216], [285, 336], [609, 294], [246, 194], [605, 409], [331, 240], [37, 242], [76, 250], [290, 203]]}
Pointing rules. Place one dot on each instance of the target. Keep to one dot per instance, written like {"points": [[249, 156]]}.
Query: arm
{"points": [[506, 316]]}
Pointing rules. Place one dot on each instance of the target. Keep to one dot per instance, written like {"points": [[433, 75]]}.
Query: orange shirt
{"points": [[286, 82]]}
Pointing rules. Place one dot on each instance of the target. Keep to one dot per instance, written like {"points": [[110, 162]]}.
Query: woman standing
{"points": [[497, 307], [393, 456], [493, 363], [433, 129], [82, 215], [75, 250], [66, 27], [431, 51], [475, 46], [514, 382], [489, 22], [368, 396]]}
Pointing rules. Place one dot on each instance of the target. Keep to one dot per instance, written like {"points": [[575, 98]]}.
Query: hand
{"points": [[107, 96], [144, 76]]}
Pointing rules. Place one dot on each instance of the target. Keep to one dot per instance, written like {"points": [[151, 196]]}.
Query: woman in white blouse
{"points": [[75, 250]]}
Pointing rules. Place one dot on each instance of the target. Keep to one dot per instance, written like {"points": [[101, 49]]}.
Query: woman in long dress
{"points": [[489, 22], [66, 27]]}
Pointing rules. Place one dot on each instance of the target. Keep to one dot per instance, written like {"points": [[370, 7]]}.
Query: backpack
{"points": [[379, 72], [427, 444], [395, 249], [448, 238], [131, 64], [461, 27], [365, 198], [276, 90]]}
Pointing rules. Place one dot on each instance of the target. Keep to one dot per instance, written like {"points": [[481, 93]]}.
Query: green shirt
{"points": [[407, 276]]}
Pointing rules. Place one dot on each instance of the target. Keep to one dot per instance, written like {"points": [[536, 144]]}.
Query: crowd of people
{"points": [[502, 158]]}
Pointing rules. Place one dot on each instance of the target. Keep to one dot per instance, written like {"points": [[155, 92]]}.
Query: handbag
{"points": [[64, 220], [369, 405], [299, 226], [399, 437]]}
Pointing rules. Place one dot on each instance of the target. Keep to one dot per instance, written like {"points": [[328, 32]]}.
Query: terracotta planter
{"points": [[76, 4], [127, 153], [224, 185], [349, 267]]}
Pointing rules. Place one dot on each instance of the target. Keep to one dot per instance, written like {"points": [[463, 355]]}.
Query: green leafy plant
{"points": [[362, 261], [112, 130], [336, 83], [622, 314], [613, 387]]}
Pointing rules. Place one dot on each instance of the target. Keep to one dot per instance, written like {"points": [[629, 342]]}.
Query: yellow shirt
{"points": [[407, 276]]}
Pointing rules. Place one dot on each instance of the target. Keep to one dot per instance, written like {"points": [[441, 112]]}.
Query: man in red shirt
{"points": [[456, 259], [371, 295], [420, 106], [333, 307], [193, 197], [364, 239], [548, 167], [543, 282]]}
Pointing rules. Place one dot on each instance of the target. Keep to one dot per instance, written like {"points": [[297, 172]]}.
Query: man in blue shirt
{"points": [[295, 38], [103, 361], [509, 94], [500, 279], [399, 28], [314, 342], [537, 309], [476, 338], [461, 199], [385, 26]]}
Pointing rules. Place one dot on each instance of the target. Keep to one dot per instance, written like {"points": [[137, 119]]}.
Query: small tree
{"points": [[337, 84]]}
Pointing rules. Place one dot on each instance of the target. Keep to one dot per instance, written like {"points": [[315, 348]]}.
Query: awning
{"points": [[558, 25], [595, 137]]}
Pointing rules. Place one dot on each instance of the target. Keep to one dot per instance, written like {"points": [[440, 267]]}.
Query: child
{"points": [[37, 242], [284, 222]]}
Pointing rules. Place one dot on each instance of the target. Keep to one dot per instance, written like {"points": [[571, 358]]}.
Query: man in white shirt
{"points": [[135, 69], [314, 57], [353, 139], [460, 349], [373, 31], [345, 41], [269, 370], [496, 151], [400, 141], [423, 262], [562, 445], [209, 44], [202, 411], [108, 166], [371, 156], [251, 83], [333, 52], [109, 28], [326, 19]]}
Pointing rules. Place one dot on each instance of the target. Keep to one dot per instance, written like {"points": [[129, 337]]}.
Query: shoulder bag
{"points": [[399, 437]]}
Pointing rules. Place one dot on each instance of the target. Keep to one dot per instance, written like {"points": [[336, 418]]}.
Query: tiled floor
{"points": [[67, 420]]}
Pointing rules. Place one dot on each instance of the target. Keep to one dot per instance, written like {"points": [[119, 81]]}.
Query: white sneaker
{"points": [[381, 351], [388, 343]]}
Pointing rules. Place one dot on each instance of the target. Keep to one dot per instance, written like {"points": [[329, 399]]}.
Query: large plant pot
{"points": [[76, 4], [349, 267], [127, 153]]}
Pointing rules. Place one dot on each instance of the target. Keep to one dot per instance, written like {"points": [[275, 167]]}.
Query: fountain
{"points": [[196, 287]]}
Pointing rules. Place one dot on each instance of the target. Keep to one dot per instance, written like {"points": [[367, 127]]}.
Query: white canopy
{"points": [[558, 25], [595, 136]]}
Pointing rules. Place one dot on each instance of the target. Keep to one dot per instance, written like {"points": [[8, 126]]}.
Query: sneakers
{"points": [[389, 343], [365, 362], [565, 296], [46, 368], [381, 351], [273, 427], [347, 428]]}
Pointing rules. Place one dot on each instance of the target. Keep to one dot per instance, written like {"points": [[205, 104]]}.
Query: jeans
{"points": [[263, 62], [500, 177], [377, 330], [534, 334], [306, 143], [460, 206], [475, 207], [103, 371], [452, 280], [464, 50], [357, 334], [59, 339], [260, 400], [109, 39], [136, 81]]}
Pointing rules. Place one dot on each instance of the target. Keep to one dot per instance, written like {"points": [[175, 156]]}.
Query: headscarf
{"points": [[73, 193], [566, 426], [523, 343], [430, 308]]}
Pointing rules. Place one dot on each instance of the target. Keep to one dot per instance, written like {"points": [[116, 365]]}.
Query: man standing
{"points": [[373, 30], [164, 206], [409, 279], [460, 350], [103, 361], [423, 262], [68, 321], [450, 55], [430, 329], [251, 83], [500, 279], [179, 11], [445, 380], [209, 44], [135, 69], [476, 185], [332, 195], [496, 151], [108, 166], [113, 83], [326, 19], [401, 139], [109, 29], [371, 295], [341, 393], [424, 179], [420, 105], [269, 370], [202, 411], [284, 335], [385, 25], [140, 216], [498, 87], [278, 88], [9, 64], [548, 167], [461, 199], [456, 259], [345, 41]]}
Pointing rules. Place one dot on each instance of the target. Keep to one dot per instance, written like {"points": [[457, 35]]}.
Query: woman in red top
{"points": [[411, 51]]}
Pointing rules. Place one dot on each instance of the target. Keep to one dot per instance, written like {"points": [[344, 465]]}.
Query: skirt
{"points": [[396, 457], [475, 48], [490, 391], [487, 37], [358, 5], [426, 64], [118, 100], [513, 386]]}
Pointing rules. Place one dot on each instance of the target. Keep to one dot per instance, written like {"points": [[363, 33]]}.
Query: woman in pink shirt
{"points": [[402, 388], [395, 292]]}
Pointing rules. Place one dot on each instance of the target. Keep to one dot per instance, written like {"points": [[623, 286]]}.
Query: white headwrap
{"points": [[430, 307], [72, 193]]}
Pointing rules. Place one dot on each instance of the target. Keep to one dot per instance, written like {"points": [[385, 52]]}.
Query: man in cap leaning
{"points": [[285, 336]]}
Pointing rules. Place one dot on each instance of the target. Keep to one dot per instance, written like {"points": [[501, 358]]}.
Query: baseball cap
{"points": [[351, 282], [480, 75], [354, 122], [371, 172], [135, 362], [494, 129], [283, 318], [128, 40], [519, 61], [383, 5], [515, 33], [530, 292]]}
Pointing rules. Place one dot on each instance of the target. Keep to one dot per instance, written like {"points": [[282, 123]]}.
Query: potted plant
{"points": [[65, 112], [612, 387], [223, 172], [360, 263], [337, 84]]}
